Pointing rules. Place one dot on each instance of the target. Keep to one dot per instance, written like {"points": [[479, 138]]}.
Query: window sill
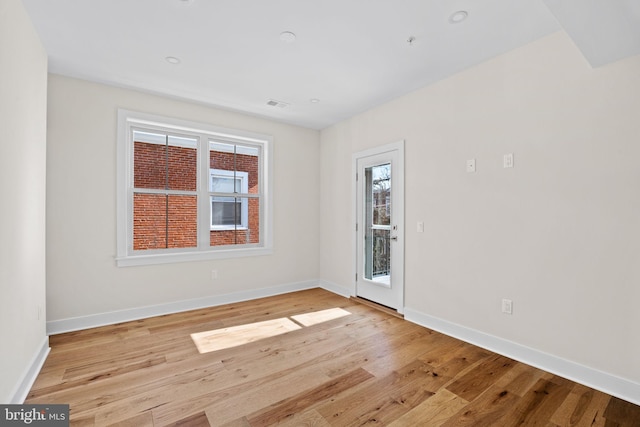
{"points": [[175, 257]]}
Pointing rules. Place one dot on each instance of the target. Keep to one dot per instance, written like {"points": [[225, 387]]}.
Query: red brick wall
{"points": [[150, 226], [150, 169], [149, 210]]}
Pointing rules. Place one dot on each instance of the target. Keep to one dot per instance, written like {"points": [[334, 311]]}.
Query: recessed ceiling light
{"points": [[458, 16], [314, 100], [287, 37], [172, 60]]}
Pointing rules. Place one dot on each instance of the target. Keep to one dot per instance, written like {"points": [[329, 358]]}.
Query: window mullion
{"points": [[160, 191], [204, 200]]}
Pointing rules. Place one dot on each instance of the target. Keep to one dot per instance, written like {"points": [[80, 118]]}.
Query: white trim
{"points": [[113, 317], [153, 258], [399, 220], [605, 382], [29, 376], [207, 134], [171, 124], [335, 288]]}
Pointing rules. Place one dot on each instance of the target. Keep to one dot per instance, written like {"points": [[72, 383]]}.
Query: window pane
{"points": [[242, 216], [149, 165], [225, 185], [183, 221], [183, 167], [160, 166], [237, 158], [149, 221], [381, 187], [226, 211], [222, 156], [152, 229]]}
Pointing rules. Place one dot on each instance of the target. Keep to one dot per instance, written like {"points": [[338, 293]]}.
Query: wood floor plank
{"points": [[277, 389], [387, 398], [432, 412], [344, 364], [474, 383], [240, 422], [582, 407], [538, 405], [299, 403], [623, 413], [520, 379], [454, 362], [121, 390], [92, 377], [310, 418], [103, 369], [143, 420], [196, 420], [86, 421], [396, 352], [487, 410]]}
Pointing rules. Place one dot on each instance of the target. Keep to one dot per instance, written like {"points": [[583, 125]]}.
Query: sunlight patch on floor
{"points": [[310, 319], [238, 335], [220, 339]]}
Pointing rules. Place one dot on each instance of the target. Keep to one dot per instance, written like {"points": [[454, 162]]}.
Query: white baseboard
{"points": [[335, 288], [110, 318], [31, 373], [607, 383]]}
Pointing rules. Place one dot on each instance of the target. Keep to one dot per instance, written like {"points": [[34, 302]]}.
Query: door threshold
{"points": [[377, 306]]}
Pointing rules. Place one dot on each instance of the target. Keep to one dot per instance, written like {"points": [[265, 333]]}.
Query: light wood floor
{"points": [[341, 363]]}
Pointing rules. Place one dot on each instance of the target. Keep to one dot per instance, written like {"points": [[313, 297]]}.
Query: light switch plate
{"points": [[508, 160], [507, 306]]}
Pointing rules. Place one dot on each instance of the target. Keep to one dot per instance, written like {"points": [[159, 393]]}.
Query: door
{"points": [[379, 226]]}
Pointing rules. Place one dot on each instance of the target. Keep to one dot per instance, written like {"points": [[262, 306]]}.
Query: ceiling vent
{"points": [[274, 103]]}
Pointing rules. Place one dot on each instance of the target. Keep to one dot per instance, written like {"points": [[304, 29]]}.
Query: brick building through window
{"points": [[165, 199]]}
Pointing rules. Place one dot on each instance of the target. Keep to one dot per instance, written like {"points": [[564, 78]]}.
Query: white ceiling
{"points": [[351, 55]]}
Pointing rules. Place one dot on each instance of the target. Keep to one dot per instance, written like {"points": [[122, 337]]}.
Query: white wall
{"points": [[23, 101], [82, 278], [559, 234]]}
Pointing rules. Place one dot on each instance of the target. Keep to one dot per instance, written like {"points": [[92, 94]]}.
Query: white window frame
{"points": [[128, 121], [244, 189]]}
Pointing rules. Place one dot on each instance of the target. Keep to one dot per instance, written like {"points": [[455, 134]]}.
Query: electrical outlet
{"points": [[471, 165], [214, 274], [507, 306]]}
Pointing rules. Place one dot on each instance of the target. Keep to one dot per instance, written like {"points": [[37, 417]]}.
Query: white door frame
{"points": [[397, 185]]}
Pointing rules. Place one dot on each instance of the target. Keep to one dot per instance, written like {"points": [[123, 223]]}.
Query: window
{"points": [[229, 212], [188, 191]]}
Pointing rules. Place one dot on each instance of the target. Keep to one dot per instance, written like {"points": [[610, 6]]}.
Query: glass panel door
{"points": [[377, 262], [379, 215]]}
